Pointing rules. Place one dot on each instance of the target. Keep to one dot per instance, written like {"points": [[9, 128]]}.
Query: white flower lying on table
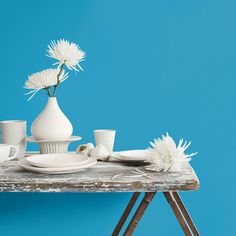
{"points": [[166, 155]]}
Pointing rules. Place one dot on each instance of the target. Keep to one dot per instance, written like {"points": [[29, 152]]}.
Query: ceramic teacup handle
{"points": [[16, 152]]}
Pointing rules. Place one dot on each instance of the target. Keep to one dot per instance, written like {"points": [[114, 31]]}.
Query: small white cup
{"points": [[105, 137], [5, 150]]}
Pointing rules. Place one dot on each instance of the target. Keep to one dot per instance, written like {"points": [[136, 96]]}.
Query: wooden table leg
{"points": [[170, 199], [125, 214], [185, 213], [139, 213]]}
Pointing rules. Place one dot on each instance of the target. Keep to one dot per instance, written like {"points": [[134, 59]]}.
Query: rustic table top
{"points": [[103, 177]]}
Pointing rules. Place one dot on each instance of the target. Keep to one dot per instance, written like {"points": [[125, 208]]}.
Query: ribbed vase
{"points": [[53, 147]]}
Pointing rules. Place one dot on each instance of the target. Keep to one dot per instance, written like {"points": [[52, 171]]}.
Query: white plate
{"points": [[131, 155], [60, 170], [57, 160]]}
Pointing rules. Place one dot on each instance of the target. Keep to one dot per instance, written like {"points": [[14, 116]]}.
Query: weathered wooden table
{"points": [[100, 178]]}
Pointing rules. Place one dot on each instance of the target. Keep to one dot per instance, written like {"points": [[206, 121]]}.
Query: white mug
{"points": [[5, 150], [14, 132], [105, 137]]}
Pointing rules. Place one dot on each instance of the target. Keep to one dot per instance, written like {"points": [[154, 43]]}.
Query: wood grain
{"points": [[97, 179]]}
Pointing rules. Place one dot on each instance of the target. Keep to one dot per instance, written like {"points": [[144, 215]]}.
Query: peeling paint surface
{"points": [[98, 178]]}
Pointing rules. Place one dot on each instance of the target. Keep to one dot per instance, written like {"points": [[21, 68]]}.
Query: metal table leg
{"points": [[171, 200], [185, 214], [174, 201], [125, 214], [139, 213]]}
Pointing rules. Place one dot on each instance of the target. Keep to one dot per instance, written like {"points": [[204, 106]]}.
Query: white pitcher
{"points": [[14, 132], [5, 150]]}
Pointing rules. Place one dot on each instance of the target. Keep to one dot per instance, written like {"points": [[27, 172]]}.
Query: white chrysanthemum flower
{"points": [[44, 80], [67, 53], [165, 155]]}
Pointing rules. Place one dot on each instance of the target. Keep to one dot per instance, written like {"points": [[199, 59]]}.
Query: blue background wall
{"points": [[151, 67]]}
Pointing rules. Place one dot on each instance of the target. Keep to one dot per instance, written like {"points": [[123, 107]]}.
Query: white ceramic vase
{"points": [[51, 124]]}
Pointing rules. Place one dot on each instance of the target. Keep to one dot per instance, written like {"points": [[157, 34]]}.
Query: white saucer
{"points": [[131, 155], [57, 160], [70, 139], [60, 170]]}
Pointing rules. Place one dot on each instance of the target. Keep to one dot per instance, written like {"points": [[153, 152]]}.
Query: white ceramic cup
{"points": [[14, 132], [106, 137], [5, 150]]}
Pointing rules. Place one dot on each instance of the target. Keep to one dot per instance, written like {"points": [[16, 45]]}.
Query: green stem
{"points": [[58, 80]]}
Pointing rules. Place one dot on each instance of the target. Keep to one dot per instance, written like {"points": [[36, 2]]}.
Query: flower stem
{"points": [[48, 91], [58, 80]]}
